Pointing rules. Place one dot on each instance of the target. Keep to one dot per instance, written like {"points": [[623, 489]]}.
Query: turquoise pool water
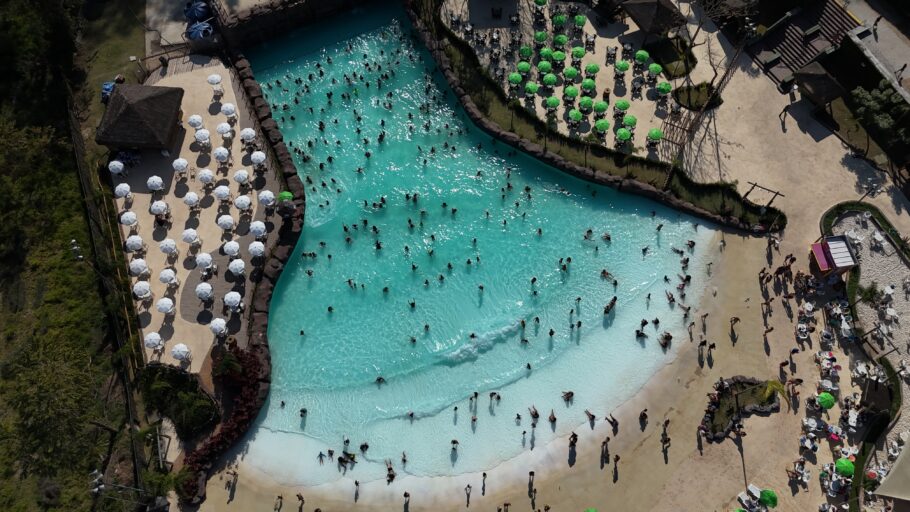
{"points": [[479, 208]]}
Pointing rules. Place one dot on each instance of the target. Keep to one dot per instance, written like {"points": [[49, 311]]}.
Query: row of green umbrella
{"points": [[546, 67]]}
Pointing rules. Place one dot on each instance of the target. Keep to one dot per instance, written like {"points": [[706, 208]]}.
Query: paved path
{"points": [[890, 45]]}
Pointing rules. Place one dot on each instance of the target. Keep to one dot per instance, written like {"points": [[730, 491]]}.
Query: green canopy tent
{"points": [[580, 20], [621, 66], [576, 115], [826, 400], [560, 40], [540, 2], [623, 134], [578, 52], [768, 498], [664, 87], [592, 69], [552, 102], [570, 73], [586, 103], [655, 134], [544, 66], [285, 196], [588, 84], [559, 56], [602, 125], [642, 56], [541, 37], [629, 120], [546, 54], [600, 107], [531, 88], [523, 67], [570, 91], [515, 78], [560, 20], [622, 105], [655, 68], [844, 467], [550, 79], [525, 52]]}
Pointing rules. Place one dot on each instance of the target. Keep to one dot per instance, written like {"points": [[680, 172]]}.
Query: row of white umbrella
{"points": [[180, 165], [190, 236]]}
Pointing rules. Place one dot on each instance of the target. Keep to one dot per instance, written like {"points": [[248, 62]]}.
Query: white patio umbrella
{"points": [[142, 289], [153, 341], [204, 291], [231, 248], [202, 135], [167, 276], [257, 228], [223, 129], [218, 326], [180, 352], [191, 199], [237, 267], [257, 157], [138, 267], [228, 109], [129, 219], [158, 208], [247, 134], [190, 236], [221, 154], [195, 121], [203, 260], [122, 190], [155, 183], [256, 249], [225, 222], [241, 176], [165, 305], [180, 164], [206, 176], [115, 166], [266, 198], [168, 246], [214, 79], [133, 243], [243, 203], [222, 192], [232, 299]]}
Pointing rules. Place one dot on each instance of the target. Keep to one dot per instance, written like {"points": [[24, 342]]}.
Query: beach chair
{"points": [[754, 490], [744, 500]]}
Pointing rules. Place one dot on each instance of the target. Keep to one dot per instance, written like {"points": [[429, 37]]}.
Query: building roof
{"points": [[840, 251], [140, 116], [654, 16], [816, 83]]}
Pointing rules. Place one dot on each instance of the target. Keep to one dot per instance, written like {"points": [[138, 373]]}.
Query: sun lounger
{"points": [[744, 499], [754, 490]]}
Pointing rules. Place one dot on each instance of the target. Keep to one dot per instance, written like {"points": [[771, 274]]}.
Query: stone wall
{"points": [[265, 20]]}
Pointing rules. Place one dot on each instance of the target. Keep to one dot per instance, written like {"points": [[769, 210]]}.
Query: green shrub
{"points": [[694, 97], [176, 394]]}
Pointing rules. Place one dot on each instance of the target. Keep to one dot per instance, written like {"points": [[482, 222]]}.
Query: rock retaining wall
{"points": [[748, 410], [263, 21]]}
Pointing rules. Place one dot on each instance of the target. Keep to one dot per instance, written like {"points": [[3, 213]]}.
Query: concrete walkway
{"points": [[890, 45]]}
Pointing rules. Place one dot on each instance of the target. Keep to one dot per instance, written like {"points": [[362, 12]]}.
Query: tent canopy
{"points": [[654, 16], [140, 116]]}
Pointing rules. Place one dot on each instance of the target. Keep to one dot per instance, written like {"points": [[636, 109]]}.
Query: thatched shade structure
{"points": [[140, 117]]}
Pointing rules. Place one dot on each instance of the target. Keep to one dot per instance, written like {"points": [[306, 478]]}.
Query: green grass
{"points": [[674, 55], [852, 132], [694, 97]]}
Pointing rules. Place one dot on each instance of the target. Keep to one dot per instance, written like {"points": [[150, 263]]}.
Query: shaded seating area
{"points": [[140, 117]]}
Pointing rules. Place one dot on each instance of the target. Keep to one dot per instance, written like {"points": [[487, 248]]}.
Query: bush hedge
{"points": [[176, 394]]}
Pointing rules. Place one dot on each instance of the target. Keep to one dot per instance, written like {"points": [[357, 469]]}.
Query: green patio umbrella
{"points": [[541, 36], [570, 91], [559, 56], [546, 54], [655, 134], [576, 115], [531, 88], [642, 56], [550, 79], [622, 65], [826, 400], [560, 20], [655, 68], [600, 107], [552, 102], [739, 510], [844, 467], [592, 69], [515, 78], [544, 66], [580, 20], [629, 120], [623, 134], [525, 52], [588, 84], [602, 125], [570, 73], [523, 67], [540, 2], [578, 52], [560, 40], [664, 87], [590, 510], [285, 196], [622, 105], [586, 103], [768, 498]]}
